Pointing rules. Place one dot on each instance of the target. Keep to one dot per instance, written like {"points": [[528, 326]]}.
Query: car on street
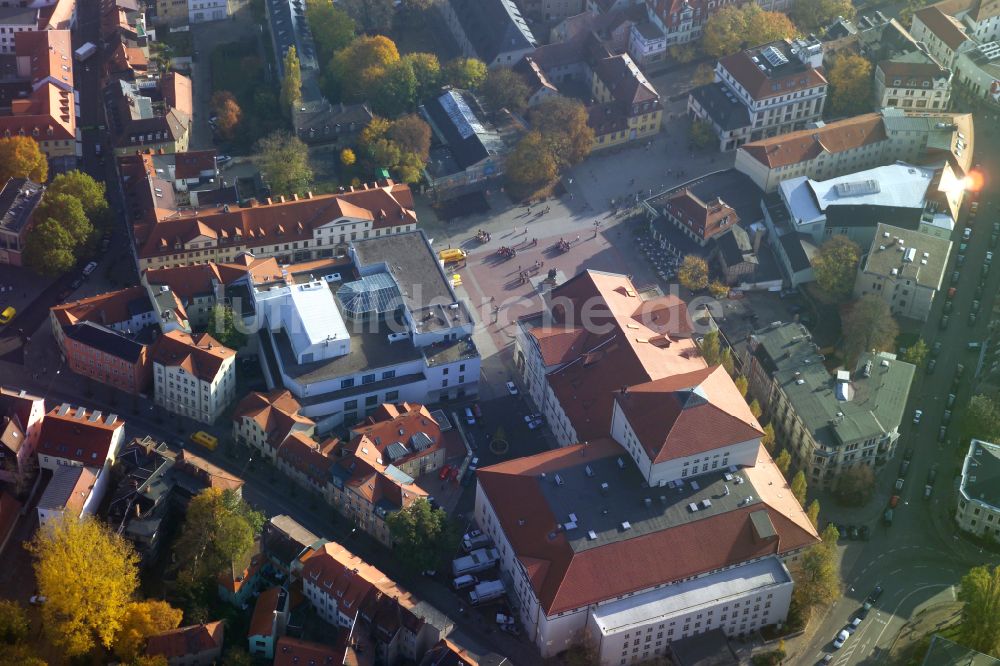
{"points": [[37, 600], [528, 418], [894, 501], [928, 491], [908, 454], [443, 474], [470, 418], [993, 239], [946, 418], [89, 268], [989, 257], [536, 424], [865, 532], [863, 611], [955, 275], [950, 401], [904, 467], [936, 349], [223, 159], [932, 475], [961, 260], [512, 388], [855, 623], [876, 593], [942, 433], [917, 415], [841, 638], [7, 315], [931, 365], [944, 322], [967, 233], [975, 306], [853, 533], [996, 227], [978, 293], [972, 319], [899, 483]]}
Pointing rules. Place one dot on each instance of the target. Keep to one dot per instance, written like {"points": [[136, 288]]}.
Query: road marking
{"points": [[878, 639], [893, 573]]}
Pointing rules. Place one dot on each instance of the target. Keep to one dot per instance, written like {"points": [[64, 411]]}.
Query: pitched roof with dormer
{"points": [[81, 435], [201, 356]]}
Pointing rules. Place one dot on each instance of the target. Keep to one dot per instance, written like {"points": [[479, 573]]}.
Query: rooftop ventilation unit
{"points": [[558, 480], [705, 503], [604, 488], [592, 535], [693, 507], [626, 525], [621, 464], [695, 486], [588, 471]]}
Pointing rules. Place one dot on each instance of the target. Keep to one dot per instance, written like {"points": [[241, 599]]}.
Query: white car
{"points": [[512, 388], [534, 425], [528, 418], [917, 415], [855, 623], [37, 600], [841, 638]]}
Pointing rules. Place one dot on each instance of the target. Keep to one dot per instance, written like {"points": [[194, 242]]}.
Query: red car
{"points": [[444, 472], [454, 475], [894, 501]]}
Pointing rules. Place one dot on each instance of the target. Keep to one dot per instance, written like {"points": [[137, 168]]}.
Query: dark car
{"points": [[931, 476], [876, 593], [908, 454], [853, 532], [935, 349], [972, 319], [863, 611], [931, 364], [944, 322], [904, 467], [865, 532]]}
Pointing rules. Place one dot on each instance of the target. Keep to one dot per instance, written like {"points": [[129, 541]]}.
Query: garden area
{"points": [[237, 68]]}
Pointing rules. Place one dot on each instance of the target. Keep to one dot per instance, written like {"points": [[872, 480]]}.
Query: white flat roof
{"points": [[310, 316], [801, 205], [690, 596]]}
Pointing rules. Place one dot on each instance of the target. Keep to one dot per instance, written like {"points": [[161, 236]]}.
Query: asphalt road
{"points": [[921, 556]]}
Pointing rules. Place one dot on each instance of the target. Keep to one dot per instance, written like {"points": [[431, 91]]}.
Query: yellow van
{"points": [[7, 315], [206, 440], [452, 256]]}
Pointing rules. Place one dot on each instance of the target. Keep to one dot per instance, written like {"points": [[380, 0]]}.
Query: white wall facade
{"points": [[179, 392]]}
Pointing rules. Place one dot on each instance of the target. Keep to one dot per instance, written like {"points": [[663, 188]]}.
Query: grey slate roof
{"points": [[981, 473], [104, 339], [726, 113], [493, 27], [457, 118]]}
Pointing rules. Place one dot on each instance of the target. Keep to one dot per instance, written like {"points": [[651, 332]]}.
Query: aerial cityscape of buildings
{"points": [[577, 338]]}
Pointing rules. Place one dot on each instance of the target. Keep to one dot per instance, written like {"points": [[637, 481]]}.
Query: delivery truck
{"points": [[488, 590], [477, 560]]}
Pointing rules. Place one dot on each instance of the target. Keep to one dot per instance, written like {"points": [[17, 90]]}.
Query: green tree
{"points": [[218, 530], [683, 53], [90, 193], [88, 575], [733, 28], [371, 15], [741, 385], [354, 70], [784, 461], [835, 267], [222, 327], [395, 91], [49, 249], [917, 353], [768, 439], [237, 655], [693, 273], [425, 534], [755, 408], [20, 157], [703, 74], [505, 89], [855, 486], [811, 15], [68, 211], [817, 576], [564, 126], [402, 145], [701, 134], [850, 79], [799, 487], [13, 622], [284, 161], [530, 165], [464, 73], [980, 595], [427, 70], [711, 349], [726, 361], [982, 418], [813, 513], [868, 325], [141, 620], [291, 84], [332, 28]]}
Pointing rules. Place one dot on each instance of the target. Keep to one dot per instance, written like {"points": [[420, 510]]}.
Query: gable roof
{"points": [[262, 620], [193, 163], [201, 356], [807, 144], [704, 219], [78, 434], [275, 413], [946, 28], [186, 641], [493, 27], [688, 414], [109, 308]]}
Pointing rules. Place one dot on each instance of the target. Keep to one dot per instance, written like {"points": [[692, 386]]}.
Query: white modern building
{"points": [[386, 328], [979, 492], [194, 376]]}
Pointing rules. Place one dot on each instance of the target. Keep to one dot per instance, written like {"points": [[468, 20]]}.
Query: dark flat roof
{"points": [[728, 113], [18, 199], [105, 340]]}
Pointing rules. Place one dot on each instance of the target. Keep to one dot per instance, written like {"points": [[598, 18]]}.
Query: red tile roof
{"points": [[295, 652], [177, 92], [632, 349], [108, 308], [48, 112], [201, 356], [803, 145], [564, 580], [262, 621], [193, 163], [688, 414], [913, 74], [79, 435], [276, 413], [446, 653], [186, 641], [307, 456], [704, 219], [762, 86], [212, 476], [947, 29], [387, 205], [391, 423]]}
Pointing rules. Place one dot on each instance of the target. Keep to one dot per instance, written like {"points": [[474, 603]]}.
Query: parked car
{"points": [[528, 418], [967, 233], [936, 349], [8, 314], [855, 623], [944, 322], [975, 306], [443, 474], [932, 475], [893, 501], [904, 467], [972, 319], [512, 388], [89, 268], [946, 418], [917, 415], [931, 365], [950, 401], [942, 433], [534, 425], [908, 454], [899, 483], [37, 600], [841, 638], [852, 532], [865, 532], [876, 593], [470, 418], [928, 491]]}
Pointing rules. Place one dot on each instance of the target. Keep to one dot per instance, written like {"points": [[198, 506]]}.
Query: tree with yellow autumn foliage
{"points": [[143, 619]]}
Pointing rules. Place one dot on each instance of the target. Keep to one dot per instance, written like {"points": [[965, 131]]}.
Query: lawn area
{"points": [[238, 68]]}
